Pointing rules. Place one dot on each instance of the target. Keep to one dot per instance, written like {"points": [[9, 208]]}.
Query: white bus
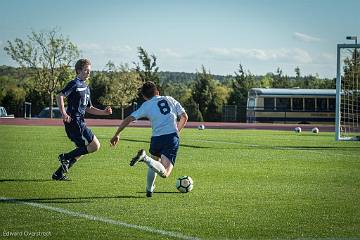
{"points": [[294, 105]]}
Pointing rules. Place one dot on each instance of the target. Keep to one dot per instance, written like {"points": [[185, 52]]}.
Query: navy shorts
{"points": [[167, 145], [78, 132]]}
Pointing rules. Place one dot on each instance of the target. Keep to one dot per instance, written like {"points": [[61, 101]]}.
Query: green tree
{"points": [[149, 72], [267, 81], [203, 90], [297, 72], [180, 91], [242, 83], [121, 86], [49, 54], [12, 95], [193, 111], [281, 81], [278, 78], [351, 70], [220, 97]]}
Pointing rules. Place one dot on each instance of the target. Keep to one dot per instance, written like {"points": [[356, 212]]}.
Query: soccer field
{"points": [[248, 184]]}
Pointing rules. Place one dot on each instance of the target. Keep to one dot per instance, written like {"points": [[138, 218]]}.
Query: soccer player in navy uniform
{"points": [[162, 111], [78, 98]]}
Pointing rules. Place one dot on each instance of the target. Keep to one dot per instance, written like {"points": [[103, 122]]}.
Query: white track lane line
{"points": [[102, 219]]}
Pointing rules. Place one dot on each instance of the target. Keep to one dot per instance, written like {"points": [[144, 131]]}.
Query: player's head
{"points": [[83, 68], [149, 89]]}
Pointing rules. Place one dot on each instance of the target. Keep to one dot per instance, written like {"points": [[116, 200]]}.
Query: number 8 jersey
{"points": [[162, 111]]}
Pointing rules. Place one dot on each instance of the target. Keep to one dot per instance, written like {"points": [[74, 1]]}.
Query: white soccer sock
{"points": [[150, 180], [155, 165]]}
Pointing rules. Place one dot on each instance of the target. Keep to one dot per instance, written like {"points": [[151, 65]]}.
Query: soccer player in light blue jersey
{"points": [[77, 93], [162, 111]]}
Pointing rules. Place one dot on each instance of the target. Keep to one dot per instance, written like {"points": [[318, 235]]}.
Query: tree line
{"points": [[46, 60]]}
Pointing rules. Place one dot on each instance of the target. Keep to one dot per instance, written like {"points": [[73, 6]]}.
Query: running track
{"points": [[114, 123]]}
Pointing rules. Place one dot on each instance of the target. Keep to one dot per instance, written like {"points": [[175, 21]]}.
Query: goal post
{"points": [[27, 109], [347, 120]]}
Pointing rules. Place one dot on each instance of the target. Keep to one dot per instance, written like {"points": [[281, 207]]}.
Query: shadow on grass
{"points": [[257, 146], [161, 192], [181, 145], [26, 180], [66, 199]]}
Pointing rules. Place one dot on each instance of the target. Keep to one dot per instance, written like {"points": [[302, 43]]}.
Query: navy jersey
{"points": [[78, 97]]}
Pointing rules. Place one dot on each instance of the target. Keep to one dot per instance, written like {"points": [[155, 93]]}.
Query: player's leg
{"points": [[77, 153], [165, 147], [85, 141], [59, 174], [153, 164], [168, 153], [73, 161], [168, 165], [94, 145], [150, 179]]}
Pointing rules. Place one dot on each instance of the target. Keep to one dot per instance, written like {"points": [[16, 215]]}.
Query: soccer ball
{"points": [[184, 184], [315, 130], [297, 129], [201, 127]]}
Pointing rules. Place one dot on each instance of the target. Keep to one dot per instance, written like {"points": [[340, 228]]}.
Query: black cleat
{"points": [[149, 194], [64, 163], [59, 177], [138, 158]]}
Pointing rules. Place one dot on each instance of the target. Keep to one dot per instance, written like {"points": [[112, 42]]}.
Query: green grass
{"points": [[248, 184]]}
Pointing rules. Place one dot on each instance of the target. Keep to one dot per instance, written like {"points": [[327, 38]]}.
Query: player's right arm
{"points": [[69, 88], [141, 112], [115, 139], [60, 102]]}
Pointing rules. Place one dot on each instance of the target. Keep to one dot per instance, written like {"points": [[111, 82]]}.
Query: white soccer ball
{"points": [[201, 127], [184, 184], [297, 129], [315, 130]]}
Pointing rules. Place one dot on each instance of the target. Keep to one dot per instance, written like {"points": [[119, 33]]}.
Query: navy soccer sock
{"points": [[72, 162], [76, 153], [59, 171]]}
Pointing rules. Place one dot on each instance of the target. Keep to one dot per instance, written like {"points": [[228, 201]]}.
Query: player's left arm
{"points": [[183, 120], [181, 114], [95, 111]]}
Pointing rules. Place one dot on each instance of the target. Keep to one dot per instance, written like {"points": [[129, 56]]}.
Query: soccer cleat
{"points": [[149, 194], [59, 174], [138, 158], [59, 177], [64, 163]]}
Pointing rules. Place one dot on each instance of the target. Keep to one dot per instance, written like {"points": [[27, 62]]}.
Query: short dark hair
{"points": [[149, 89], [81, 63]]}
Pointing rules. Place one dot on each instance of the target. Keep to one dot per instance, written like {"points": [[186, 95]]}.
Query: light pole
{"points": [[352, 38]]}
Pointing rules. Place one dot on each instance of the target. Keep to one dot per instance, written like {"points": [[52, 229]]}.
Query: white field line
{"points": [[148, 229], [102, 219], [276, 148]]}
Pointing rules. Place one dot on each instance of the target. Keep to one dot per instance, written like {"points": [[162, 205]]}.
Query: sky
{"points": [[262, 35]]}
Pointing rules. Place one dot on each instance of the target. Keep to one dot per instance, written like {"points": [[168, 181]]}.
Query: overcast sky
{"points": [[219, 34]]}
